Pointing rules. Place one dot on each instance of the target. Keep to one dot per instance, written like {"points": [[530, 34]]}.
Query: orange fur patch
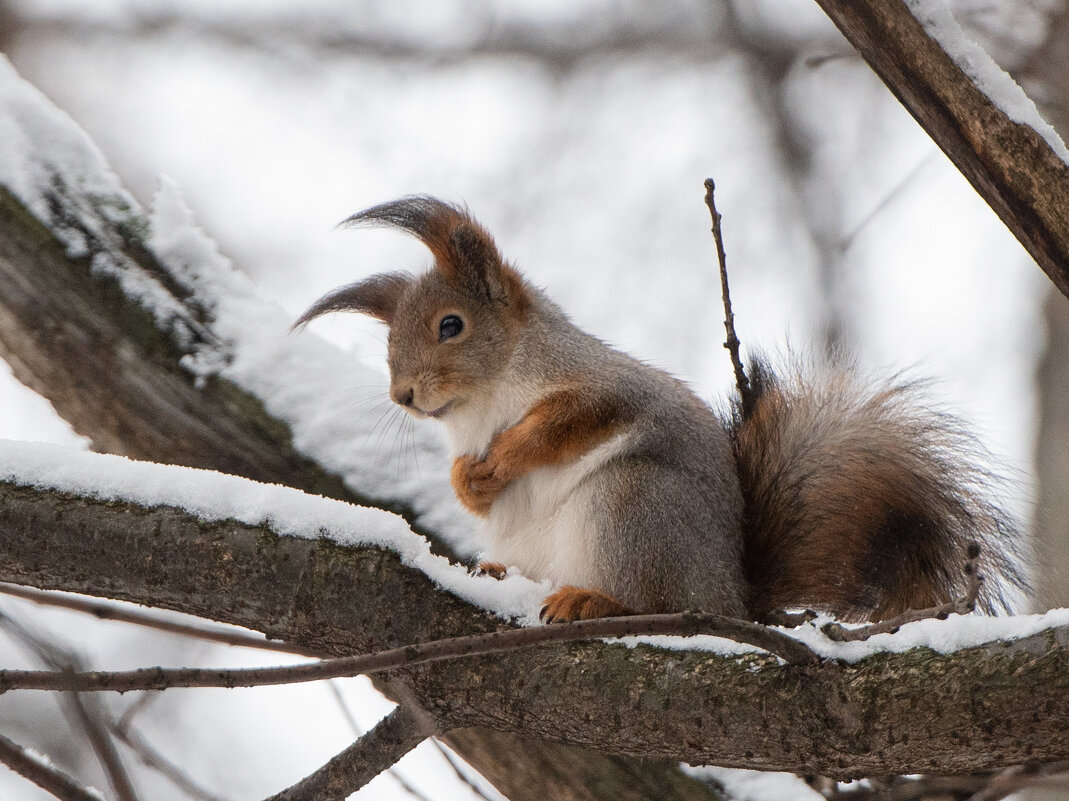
{"points": [[558, 429], [575, 603]]}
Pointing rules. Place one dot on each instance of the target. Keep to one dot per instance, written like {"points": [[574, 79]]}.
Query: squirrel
{"points": [[613, 480]]}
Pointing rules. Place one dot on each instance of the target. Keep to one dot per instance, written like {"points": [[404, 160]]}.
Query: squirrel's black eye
{"points": [[449, 327]]}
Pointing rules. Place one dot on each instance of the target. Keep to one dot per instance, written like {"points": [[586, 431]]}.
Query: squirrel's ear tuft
{"points": [[464, 252], [376, 296]]}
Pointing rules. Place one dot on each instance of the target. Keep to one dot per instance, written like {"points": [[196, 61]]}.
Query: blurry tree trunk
{"points": [[1047, 71]]}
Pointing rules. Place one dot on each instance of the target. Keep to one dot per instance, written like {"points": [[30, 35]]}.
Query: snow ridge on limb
{"points": [[215, 323]]}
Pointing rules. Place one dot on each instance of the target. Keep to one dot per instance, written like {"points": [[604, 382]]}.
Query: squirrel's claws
{"points": [[493, 569], [575, 603]]}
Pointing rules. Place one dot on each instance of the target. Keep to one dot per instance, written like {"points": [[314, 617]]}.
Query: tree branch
{"points": [[116, 375], [685, 624], [959, 606], [102, 610], [840, 720], [1008, 163], [39, 771], [87, 712], [379, 749], [732, 342]]}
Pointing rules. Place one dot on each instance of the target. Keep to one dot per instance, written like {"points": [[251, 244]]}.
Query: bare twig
{"points": [[30, 766], [104, 610], [158, 678], [960, 606], [975, 787], [1020, 777], [732, 342], [392, 738]]}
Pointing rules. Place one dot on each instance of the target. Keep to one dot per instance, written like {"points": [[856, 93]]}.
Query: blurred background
{"points": [[579, 132]]}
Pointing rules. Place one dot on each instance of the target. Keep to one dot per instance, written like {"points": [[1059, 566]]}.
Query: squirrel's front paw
{"points": [[477, 484], [573, 603], [493, 569]]}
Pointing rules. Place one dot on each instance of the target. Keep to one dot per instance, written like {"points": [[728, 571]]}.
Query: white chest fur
{"points": [[542, 523], [472, 426]]}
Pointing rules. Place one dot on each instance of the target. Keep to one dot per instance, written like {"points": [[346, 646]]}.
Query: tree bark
{"points": [[1008, 163], [916, 712]]}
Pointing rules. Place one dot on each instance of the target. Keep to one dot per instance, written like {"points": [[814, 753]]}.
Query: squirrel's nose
{"points": [[402, 395]]}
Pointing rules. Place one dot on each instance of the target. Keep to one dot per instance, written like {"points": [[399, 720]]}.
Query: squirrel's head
{"points": [[452, 329]]}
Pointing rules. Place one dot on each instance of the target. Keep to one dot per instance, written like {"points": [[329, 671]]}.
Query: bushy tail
{"points": [[862, 501]]}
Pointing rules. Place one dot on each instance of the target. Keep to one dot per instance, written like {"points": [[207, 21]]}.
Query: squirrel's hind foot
{"points": [[574, 603]]}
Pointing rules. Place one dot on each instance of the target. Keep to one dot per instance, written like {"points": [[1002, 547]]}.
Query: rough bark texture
{"points": [[1009, 164], [916, 712]]}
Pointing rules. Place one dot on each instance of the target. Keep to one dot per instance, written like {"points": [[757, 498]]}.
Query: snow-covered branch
{"points": [[975, 112], [908, 712]]}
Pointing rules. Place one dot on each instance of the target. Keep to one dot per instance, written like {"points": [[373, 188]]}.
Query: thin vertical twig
{"points": [[732, 342]]}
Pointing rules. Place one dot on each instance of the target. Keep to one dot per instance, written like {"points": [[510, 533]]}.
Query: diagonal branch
{"points": [[1009, 163], [41, 772], [379, 749], [87, 711], [104, 610]]}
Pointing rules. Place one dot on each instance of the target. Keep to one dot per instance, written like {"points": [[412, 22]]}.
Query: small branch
{"points": [[157, 678], [103, 610], [1021, 777], [87, 711], [392, 738], [960, 606], [30, 766], [359, 732], [732, 342]]}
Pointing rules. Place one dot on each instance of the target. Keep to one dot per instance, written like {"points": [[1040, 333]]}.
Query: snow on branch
{"points": [[715, 702], [974, 112], [151, 344]]}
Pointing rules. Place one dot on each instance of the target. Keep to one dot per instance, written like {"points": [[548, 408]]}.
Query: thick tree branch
{"points": [[834, 719], [1008, 163]]}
